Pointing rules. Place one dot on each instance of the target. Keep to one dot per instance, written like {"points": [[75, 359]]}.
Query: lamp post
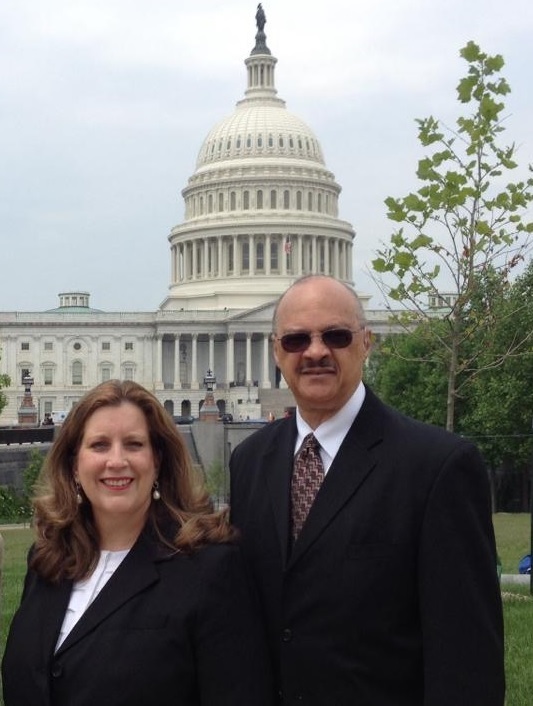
{"points": [[27, 413], [209, 411]]}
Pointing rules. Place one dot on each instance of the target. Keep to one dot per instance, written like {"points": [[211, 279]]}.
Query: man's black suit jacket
{"points": [[390, 595], [176, 629]]}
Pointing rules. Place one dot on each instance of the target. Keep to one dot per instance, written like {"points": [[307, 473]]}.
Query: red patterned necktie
{"points": [[307, 475]]}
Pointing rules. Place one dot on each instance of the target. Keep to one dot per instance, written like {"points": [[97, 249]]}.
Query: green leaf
{"points": [[471, 52]]}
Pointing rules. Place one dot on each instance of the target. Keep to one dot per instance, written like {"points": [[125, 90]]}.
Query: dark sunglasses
{"points": [[332, 338]]}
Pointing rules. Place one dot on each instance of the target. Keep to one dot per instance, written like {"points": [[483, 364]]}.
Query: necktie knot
{"points": [[307, 476], [309, 445]]}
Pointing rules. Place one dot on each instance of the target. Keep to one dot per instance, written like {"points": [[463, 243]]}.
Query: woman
{"points": [[135, 594]]}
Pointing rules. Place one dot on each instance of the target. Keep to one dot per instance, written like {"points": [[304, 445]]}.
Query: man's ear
{"points": [[275, 345], [368, 341]]}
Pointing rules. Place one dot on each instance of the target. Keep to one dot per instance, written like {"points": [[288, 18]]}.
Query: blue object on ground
{"points": [[524, 565]]}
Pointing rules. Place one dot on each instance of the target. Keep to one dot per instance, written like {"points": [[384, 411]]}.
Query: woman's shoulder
{"points": [[211, 557], [216, 553]]}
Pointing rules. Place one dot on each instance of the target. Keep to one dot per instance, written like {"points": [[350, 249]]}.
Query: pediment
{"points": [[263, 313]]}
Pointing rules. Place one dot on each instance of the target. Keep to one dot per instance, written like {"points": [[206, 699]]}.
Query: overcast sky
{"points": [[104, 105]]}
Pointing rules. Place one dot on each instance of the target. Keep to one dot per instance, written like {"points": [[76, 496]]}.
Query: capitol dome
{"points": [[260, 131], [261, 208]]}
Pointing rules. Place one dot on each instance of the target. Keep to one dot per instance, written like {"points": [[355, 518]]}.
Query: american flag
{"points": [[287, 247]]}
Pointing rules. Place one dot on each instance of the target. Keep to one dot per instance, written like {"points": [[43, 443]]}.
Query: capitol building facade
{"points": [[261, 210]]}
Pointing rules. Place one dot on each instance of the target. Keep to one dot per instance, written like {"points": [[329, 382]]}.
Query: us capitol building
{"points": [[261, 210]]}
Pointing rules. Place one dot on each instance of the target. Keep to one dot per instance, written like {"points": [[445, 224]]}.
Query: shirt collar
{"points": [[330, 434]]}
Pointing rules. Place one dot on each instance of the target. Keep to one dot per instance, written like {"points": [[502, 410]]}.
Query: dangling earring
{"points": [[79, 497], [156, 494]]}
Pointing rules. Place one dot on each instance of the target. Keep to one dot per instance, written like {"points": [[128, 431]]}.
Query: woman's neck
{"points": [[118, 536]]}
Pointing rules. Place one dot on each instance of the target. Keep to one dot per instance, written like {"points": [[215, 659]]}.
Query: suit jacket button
{"points": [[57, 670], [286, 635]]}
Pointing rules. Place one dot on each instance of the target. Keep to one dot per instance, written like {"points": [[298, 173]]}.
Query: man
{"points": [[387, 595]]}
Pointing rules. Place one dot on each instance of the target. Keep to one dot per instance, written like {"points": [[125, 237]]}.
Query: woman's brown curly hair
{"points": [[67, 544]]}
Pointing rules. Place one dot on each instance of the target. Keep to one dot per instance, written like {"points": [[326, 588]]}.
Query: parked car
{"points": [[179, 419]]}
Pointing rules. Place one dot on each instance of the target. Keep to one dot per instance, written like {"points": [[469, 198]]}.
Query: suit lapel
{"points": [[352, 464], [278, 464], [55, 599], [134, 574]]}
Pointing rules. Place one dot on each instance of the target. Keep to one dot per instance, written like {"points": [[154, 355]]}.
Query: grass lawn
{"points": [[512, 538]]}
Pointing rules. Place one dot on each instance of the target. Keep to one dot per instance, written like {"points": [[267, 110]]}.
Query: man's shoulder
{"points": [[265, 435], [405, 425]]}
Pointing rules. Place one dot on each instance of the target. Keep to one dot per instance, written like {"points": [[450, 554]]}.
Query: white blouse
{"points": [[84, 592]]}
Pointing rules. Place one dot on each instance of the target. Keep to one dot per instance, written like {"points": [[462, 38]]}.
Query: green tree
{"points": [[407, 372], [5, 381], [217, 483], [29, 478], [464, 226], [501, 399]]}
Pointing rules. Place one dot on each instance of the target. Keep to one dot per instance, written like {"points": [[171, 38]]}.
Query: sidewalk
{"points": [[524, 579]]}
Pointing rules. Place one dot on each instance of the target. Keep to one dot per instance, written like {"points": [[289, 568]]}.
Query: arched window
{"points": [[221, 202], [310, 201], [299, 200], [233, 201], [286, 199], [273, 199], [259, 199], [77, 373], [246, 200]]}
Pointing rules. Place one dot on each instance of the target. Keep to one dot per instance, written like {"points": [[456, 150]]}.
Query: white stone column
{"points": [[248, 358], [266, 384], [194, 363], [173, 276], [251, 255], [230, 359], [194, 260], [221, 266], [205, 268], [211, 364], [159, 363], [236, 257], [314, 255], [346, 263], [268, 254], [177, 365]]}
